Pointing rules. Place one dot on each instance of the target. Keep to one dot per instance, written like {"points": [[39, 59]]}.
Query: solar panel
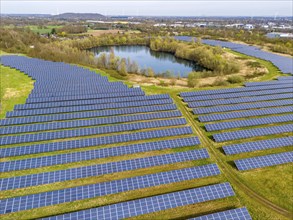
{"points": [[37, 162], [152, 204], [101, 169], [129, 93], [57, 146], [27, 138], [244, 114], [241, 134], [239, 100], [87, 108], [273, 82], [264, 161], [232, 214], [87, 91], [285, 78], [81, 115], [248, 122], [90, 102], [87, 123], [239, 94], [233, 92], [258, 145], [245, 106]]}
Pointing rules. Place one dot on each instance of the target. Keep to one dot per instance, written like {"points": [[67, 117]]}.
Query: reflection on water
{"points": [[160, 62]]}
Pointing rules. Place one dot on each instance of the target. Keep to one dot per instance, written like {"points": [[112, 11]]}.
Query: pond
{"points": [[160, 62]]}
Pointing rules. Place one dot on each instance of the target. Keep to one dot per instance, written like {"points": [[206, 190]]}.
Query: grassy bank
{"points": [[15, 88]]}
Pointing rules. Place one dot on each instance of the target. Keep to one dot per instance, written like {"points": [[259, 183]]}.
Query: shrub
{"points": [[235, 79], [192, 79], [163, 83], [254, 64], [173, 82], [220, 82]]}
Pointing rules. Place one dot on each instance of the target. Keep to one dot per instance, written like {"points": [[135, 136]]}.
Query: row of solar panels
{"points": [[90, 142], [258, 145], [249, 122], [56, 110], [87, 123], [101, 169], [254, 132], [245, 106], [106, 188], [216, 102], [89, 91], [89, 102], [63, 134], [155, 203], [288, 81], [80, 86], [129, 93], [237, 91], [244, 94], [245, 114], [83, 115], [44, 161], [148, 205]]}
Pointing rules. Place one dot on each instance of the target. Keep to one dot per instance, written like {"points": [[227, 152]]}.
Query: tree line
{"points": [[74, 51]]}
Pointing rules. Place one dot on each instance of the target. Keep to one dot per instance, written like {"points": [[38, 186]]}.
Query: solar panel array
{"points": [[90, 102], [245, 114], [232, 214], [90, 142], [37, 162], [264, 161], [87, 123], [101, 169], [46, 111], [106, 188], [233, 114], [152, 204], [244, 106], [26, 138], [254, 132], [249, 122], [82, 115], [73, 102], [274, 82], [283, 63], [239, 100], [258, 145]]}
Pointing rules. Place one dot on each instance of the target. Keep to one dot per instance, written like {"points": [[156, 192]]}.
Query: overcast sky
{"points": [[164, 8]]}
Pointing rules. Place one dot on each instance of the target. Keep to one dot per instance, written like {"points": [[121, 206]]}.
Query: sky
{"points": [[153, 8]]}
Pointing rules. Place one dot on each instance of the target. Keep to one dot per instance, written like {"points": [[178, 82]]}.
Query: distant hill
{"points": [[79, 16]]}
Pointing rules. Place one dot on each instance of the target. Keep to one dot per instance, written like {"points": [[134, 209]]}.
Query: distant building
{"points": [[279, 35], [248, 27], [160, 25], [234, 25]]}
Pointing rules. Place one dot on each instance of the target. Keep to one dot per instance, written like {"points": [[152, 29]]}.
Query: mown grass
{"points": [[45, 30], [15, 88]]}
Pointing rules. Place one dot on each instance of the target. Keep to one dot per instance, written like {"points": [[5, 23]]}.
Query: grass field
{"points": [[15, 87], [45, 30], [114, 31], [272, 183]]}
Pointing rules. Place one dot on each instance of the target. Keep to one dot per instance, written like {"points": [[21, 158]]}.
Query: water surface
{"points": [[160, 62]]}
